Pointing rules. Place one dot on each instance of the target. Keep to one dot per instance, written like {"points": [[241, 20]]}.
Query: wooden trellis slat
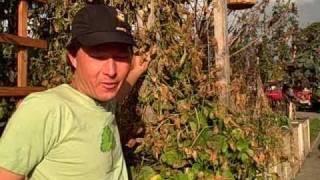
{"points": [[22, 55], [19, 91], [23, 41]]}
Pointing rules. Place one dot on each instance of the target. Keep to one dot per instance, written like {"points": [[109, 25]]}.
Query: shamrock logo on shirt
{"points": [[107, 140]]}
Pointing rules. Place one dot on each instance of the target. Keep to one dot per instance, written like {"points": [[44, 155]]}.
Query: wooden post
{"points": [[291, 111], [222, 61], [22, 55]]}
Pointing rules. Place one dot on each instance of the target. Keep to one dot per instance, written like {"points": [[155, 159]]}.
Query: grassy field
{"points": [[314, 128]]}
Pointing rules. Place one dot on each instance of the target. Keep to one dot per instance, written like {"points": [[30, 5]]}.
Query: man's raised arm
{"points": [[139, 65]]}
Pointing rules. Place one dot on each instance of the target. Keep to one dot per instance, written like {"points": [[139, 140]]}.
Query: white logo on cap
{"points": [[121, 29]]}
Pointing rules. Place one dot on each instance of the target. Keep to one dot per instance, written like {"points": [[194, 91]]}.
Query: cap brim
{"points": [[97, 38]]}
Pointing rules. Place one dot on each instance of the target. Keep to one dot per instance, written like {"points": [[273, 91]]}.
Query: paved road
{"points": [[310, 115], [311, 167]]}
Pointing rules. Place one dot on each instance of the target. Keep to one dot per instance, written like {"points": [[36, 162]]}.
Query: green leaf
{"points": [[224, 147], [8, 51], [107, 140], [227, 174], [204, 138], [191, 175], [202, 119], [242, 145], [139, 149], [193, 126], [244, 157], [220, 143], [146, 173], [171, 157], [187, 143], [196, 167], [181, 176], [203, 156], [237, 133], [156, 177]]}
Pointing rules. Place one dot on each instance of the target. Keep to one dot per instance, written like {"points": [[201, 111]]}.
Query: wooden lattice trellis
{"points": [[22, 41]]}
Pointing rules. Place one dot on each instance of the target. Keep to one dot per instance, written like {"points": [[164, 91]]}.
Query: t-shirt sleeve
{"points": [[29, 135]]}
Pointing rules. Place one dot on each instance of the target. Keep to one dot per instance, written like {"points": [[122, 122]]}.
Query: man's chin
{"points": [[105, 98], [107, 94]]}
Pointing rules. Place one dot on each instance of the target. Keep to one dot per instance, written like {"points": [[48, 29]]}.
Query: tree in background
{"points": [[304, 70]]}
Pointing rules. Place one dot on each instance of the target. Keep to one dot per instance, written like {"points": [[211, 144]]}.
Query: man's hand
{"points": [[139, 65]]}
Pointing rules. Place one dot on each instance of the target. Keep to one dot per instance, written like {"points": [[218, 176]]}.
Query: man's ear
{"points": [[72, 60]]}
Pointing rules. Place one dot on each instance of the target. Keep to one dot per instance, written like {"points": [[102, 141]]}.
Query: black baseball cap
{"points": [[97, 24]]}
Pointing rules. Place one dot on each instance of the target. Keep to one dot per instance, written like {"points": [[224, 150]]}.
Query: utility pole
{"points": [[222, 61]]}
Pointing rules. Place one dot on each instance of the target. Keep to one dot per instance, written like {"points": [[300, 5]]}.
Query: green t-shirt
{"points": [[62, 134]]}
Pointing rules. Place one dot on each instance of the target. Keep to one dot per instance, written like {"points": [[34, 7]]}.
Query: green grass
{"points": [[314, 128]]}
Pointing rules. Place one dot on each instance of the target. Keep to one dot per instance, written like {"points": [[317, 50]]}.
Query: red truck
{"points": [[275, 93]]}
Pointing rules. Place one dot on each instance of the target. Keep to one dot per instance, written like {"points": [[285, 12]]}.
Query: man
{"points": [[69, 132]]}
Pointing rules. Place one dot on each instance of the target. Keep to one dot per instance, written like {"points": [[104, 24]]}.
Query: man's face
{"points": [[100, 70]]}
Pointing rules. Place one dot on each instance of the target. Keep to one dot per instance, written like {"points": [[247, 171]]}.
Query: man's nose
{"points": [[110, 68]]}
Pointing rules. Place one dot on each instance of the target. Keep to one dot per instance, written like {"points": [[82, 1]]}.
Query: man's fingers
{"points": [[147, 57]]}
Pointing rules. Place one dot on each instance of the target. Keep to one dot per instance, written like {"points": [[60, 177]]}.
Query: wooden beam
{"points": [[222, 61], [23, 41], [19, 91], [22, 56]]}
